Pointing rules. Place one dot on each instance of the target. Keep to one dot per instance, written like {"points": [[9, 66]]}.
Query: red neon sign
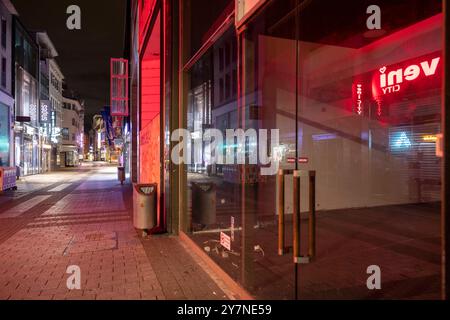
{"points": [[301, 160], [358, 97], [379, 90], [359, 101], [392, 81]]}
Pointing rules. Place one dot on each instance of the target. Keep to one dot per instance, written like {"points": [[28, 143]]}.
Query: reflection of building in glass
{"points": [[212, 100]]}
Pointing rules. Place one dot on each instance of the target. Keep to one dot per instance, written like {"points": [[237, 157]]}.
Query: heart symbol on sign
{"points": [[383, 70]]}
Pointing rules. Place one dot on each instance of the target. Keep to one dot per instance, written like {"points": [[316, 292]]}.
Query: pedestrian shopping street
{"points": [[83, 217]]}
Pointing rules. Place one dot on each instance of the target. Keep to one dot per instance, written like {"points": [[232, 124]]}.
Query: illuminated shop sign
{"points": [[374, 92], [29, 130], [301, 160], [33, 112], [391, 81], [45, 112], [359, 101], [430, 138], [440, 145], [400, 140]]}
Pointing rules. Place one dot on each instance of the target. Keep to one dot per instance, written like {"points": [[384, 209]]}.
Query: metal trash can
{"points": [[204, 203], [121, 174], [17, 172], [144, 206]]}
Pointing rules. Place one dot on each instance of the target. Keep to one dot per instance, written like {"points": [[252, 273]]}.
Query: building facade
{"points": [[87, 143], [51, 79], [72, 133], [339, 159], [7, 11], [98, 136], [27, 133], [56, 99]]}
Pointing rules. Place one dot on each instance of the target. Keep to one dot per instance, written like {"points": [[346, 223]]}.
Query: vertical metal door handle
{"points": [[281, 237], [312, 215], [296, 217]]}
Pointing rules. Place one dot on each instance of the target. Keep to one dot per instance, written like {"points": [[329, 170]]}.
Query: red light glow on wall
{"points": [[151, 91], [150, 113], [146, 9]]}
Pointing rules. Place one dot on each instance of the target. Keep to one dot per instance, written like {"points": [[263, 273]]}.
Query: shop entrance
{"points": [[356, 108], [358, 113]]}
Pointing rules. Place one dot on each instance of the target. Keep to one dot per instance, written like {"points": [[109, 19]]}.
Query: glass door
{"points": [[358, 109], [269, 105]]}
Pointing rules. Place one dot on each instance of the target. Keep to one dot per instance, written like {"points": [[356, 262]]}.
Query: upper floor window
{"points": [[65, 133], [3, 74], [4, 33]]}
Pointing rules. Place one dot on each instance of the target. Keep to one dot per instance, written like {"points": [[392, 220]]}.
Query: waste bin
{"points": [[204, 203], [17, 172], [121, 174], [144, 206]]}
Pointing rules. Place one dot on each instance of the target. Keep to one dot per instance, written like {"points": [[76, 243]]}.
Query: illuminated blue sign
{"points": [[400, 140]]}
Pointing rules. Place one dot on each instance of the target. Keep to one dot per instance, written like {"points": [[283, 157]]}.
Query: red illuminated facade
{"points": [[119, 87], [361, 110]]}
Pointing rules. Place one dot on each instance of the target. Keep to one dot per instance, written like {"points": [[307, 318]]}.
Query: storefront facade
{"points": [[351, 116], [6, 90], [5, 135], [27, 132]]}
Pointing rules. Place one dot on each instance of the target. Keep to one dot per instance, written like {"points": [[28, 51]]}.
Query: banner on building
{"points": [[107, 119], [45, 115]]}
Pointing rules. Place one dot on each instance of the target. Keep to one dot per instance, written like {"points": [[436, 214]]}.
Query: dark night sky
{"points": [[83, 54]]}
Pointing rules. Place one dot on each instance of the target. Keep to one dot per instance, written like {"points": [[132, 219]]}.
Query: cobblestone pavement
{"points": [[83, 218]]}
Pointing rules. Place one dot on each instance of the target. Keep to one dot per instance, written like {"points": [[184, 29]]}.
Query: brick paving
{"points": [[85, 220], [83, 217]]}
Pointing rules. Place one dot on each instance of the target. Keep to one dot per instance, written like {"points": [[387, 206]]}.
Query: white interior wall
{"points": [[350, 174]]}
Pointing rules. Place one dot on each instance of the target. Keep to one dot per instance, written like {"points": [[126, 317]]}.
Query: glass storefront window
{"points": [[358, 113], [362, 109], [4, 135], [202, 19], [213, 189]]}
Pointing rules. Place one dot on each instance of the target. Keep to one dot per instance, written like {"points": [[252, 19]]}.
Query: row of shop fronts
{"points": [[359, 118], [31, 107]]}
